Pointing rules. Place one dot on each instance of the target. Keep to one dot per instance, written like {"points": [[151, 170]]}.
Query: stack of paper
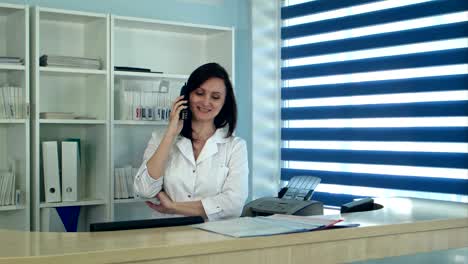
{"points": [[63, 115], [11, 60], [57, 115], [11, 102], [123, 182], [68, 61], [8, 185], [270, 225]]}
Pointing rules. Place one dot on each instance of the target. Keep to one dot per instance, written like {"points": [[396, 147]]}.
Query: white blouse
{"points": [[219, 177]]}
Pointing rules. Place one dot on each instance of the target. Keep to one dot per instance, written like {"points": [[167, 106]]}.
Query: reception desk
{"points": [[403, 226]]}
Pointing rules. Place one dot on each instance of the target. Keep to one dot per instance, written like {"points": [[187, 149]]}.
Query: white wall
{"points": [[266, 94]]}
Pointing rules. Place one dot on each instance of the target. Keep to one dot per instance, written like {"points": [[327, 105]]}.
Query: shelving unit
{"points": [[175, 50], [109, 139], [14, 129], [81, 91]]}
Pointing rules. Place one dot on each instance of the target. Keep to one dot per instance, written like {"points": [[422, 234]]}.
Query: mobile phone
{"points": [[184, 114]]}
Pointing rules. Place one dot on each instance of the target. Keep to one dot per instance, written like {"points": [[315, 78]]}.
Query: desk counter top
{"points": [[402, 226]]}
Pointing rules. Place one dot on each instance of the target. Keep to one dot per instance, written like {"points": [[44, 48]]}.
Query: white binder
{"points": [[50, 165], [10, 200], [129, 177], [8, 187], [123, 184], [70, 171], [118, 186], [4, 175]]}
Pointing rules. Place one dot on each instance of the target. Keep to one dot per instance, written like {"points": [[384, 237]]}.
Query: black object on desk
{"points": [[361, 205], [147, 223]]}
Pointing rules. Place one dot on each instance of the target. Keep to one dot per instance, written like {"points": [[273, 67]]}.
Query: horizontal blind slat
{"points": [[414, 134], [426, 59], [379, 17], [405, 158], [420, 109], [427, 84], [442, 32], [400, 182], [318, 6]]}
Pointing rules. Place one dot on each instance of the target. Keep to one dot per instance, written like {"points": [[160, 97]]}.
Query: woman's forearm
{"points": [[157, 163], [193, 208]]}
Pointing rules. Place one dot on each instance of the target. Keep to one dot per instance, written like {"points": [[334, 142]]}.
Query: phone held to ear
{"points": [[184, 114]]}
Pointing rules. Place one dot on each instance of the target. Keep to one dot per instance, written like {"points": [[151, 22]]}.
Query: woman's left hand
{"points": [[165, 206]]}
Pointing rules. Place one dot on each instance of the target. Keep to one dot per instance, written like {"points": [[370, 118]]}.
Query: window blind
{"points": [[375, 97]]}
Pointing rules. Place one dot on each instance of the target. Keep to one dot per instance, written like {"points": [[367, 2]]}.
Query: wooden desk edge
{"points": [[162, 252]]}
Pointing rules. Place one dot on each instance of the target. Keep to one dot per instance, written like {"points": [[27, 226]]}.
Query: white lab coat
{"points": [[219, 177]]}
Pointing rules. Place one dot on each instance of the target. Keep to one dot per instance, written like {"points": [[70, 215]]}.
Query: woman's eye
{"points": [[215, 97]]}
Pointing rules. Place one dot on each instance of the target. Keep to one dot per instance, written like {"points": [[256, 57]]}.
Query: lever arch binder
{"points": [[50, 165], [70, 171]]}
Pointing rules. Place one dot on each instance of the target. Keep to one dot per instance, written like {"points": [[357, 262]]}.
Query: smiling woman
{"points": [[208, 99], [198, 168]]}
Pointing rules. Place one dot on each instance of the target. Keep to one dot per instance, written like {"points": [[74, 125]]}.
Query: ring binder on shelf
{"points": [[70, 171], [51, 175]]}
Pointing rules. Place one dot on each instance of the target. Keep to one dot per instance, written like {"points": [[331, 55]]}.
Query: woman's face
{"points": [[207, 100]]}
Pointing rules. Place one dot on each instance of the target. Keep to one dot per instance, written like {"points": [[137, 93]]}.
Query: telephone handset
{"points": [[184, 114]]}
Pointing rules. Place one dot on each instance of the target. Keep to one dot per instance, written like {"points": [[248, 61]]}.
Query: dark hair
{"points": [[228, 114]]}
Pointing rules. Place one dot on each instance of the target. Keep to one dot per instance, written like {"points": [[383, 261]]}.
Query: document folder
{"points": [[50, 165], [70, 171], [270, 225]]}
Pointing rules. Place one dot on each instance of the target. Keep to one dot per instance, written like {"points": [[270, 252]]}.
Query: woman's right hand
{"points": [[175, 124]]}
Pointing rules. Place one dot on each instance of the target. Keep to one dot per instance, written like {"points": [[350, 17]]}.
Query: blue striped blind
{"points": [[375, 97]]}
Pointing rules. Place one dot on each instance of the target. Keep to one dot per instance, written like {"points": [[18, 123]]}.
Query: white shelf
{"points": [[11, 207], [78, 203], [13, 121], [69, 16], [14, 67], [72, 70], [73, 121], [133, 200], [7, 9], [149, 75], [134, 23], [142, 123]]}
